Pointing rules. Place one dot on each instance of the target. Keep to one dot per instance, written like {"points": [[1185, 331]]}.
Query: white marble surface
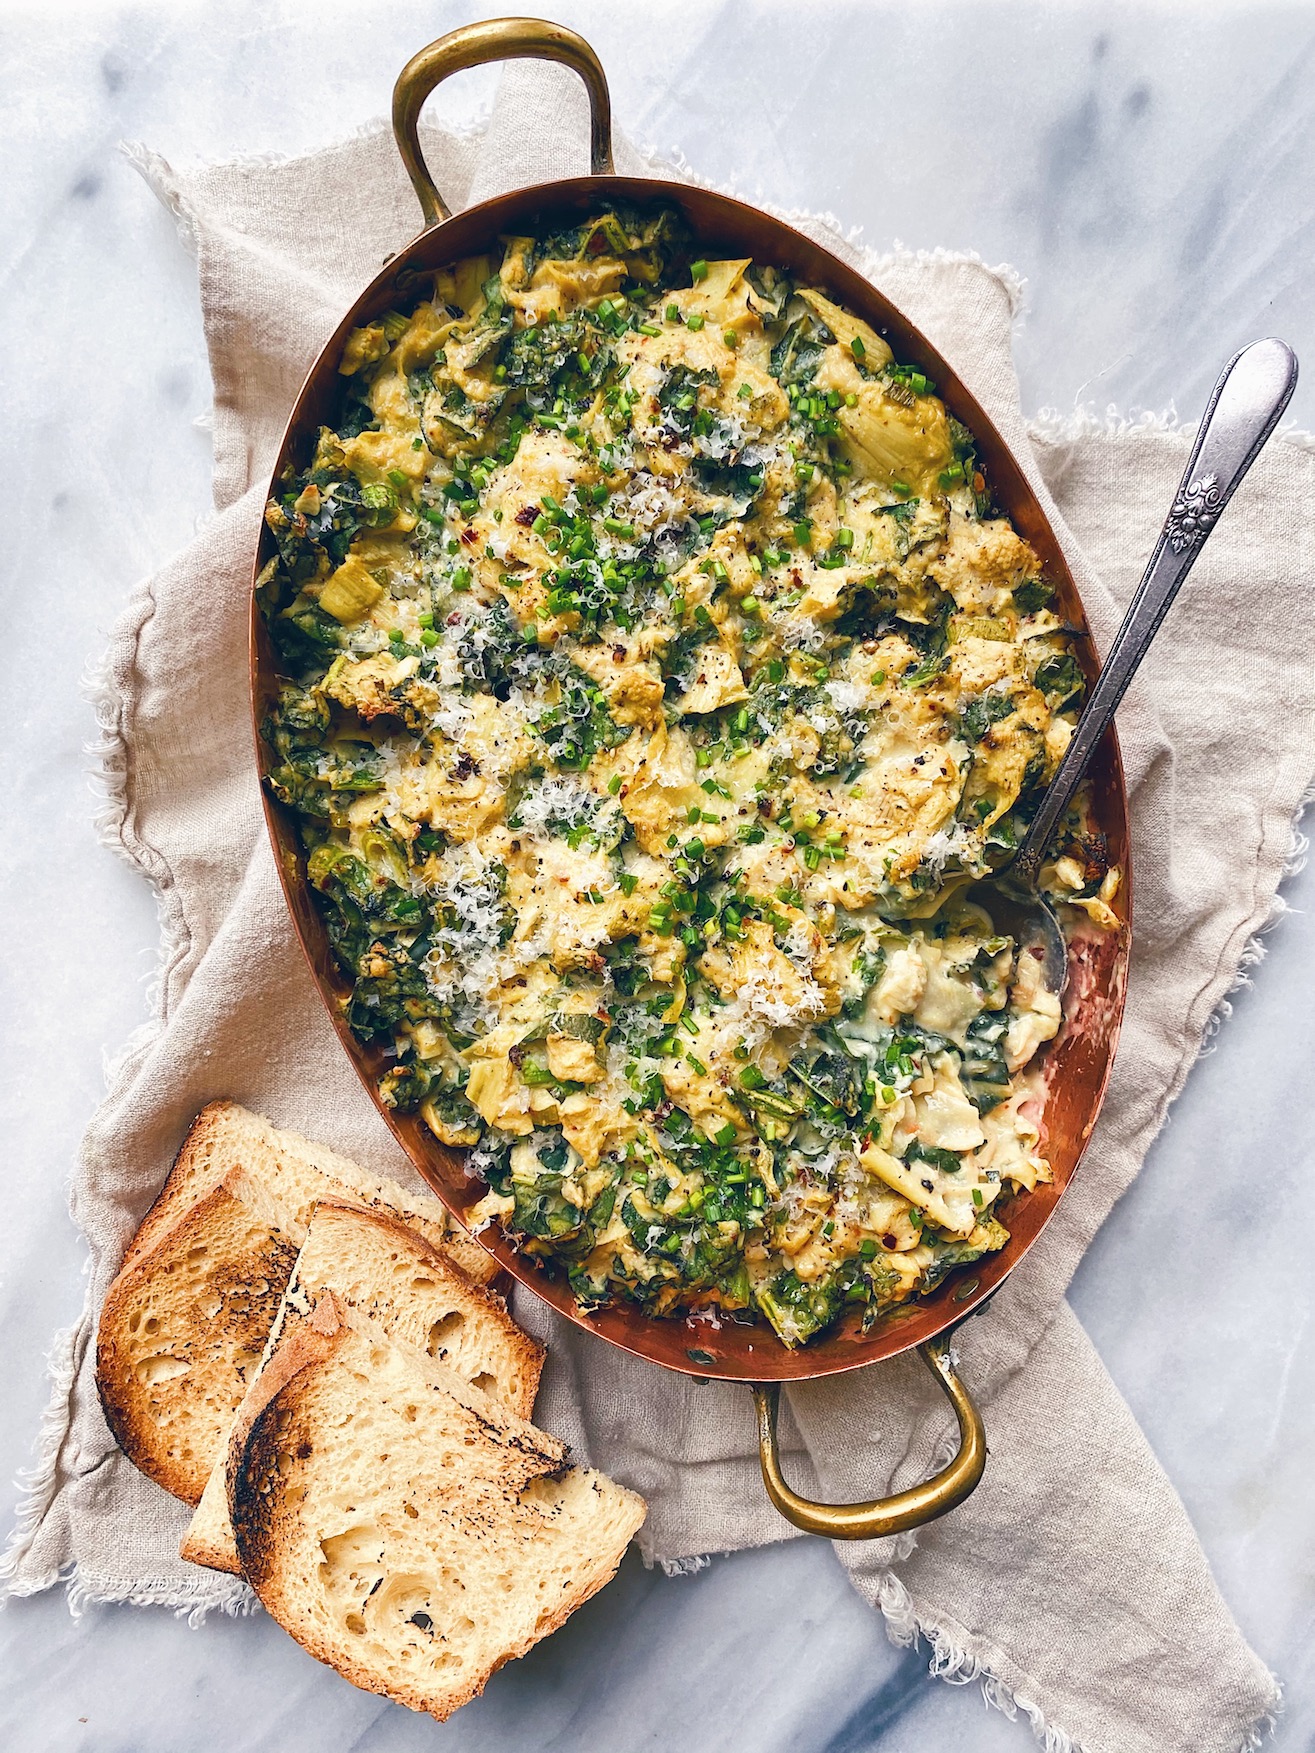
{"points": [[1150, 170]]}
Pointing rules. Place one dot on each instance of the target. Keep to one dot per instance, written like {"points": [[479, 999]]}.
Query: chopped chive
{"points": [[857, 348], [673, 313], [694, 322], [614, 784], [698, 270]]}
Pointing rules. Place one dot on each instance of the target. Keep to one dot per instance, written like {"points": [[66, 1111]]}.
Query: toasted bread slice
{"points": [[298, 1173], [186, 1321], [380, 1267], [402, 1526], [183, 1330]]}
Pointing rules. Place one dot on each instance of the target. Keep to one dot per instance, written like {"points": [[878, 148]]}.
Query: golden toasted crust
{"points": [[201, 1164], [480, 1304], [225, 1136], [379, 1267], [182, 1330]]}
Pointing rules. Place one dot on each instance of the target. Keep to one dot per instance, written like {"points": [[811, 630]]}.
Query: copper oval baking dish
{"points": [[1076, 1065]]}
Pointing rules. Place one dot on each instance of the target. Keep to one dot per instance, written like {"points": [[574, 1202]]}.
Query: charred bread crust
{"points": [[255, 1444], [249, 1288]]}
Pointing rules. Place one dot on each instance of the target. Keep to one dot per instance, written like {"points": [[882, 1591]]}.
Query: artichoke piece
{"points": [[461, 287], [872, 350], [769, 292], [799, 1309], [364, 347], [987, 1237], [831, 1075], [351, 591], [907, 446], [720, 280], [452, 1120]]}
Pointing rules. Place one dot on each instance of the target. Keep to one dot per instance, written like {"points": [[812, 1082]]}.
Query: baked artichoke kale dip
{"points": [[657, 678]]}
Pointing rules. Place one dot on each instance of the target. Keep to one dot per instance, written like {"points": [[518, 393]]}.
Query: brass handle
{"points": [[887, 1515], [497, 39]]}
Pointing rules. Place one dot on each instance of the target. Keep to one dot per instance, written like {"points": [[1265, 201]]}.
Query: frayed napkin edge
{"points": [[951, 1662]]}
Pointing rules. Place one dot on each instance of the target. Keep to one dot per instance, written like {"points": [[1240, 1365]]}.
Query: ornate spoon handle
{"points": [[1245, 406]]}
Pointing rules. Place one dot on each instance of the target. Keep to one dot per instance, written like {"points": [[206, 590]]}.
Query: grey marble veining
{"points": [[1149, 169]]}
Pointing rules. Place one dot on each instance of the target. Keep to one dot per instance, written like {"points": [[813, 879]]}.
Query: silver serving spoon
{"points": [[1245, 406]]}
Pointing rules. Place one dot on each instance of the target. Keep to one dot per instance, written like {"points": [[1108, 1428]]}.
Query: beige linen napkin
{"points": [[1071, 1582]]}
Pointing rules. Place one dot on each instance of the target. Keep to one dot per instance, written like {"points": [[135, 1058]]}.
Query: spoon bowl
{"points": [[1245, 406]]}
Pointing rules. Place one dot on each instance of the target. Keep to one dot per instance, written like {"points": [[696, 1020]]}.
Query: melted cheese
{"points": [[658, 738]]}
